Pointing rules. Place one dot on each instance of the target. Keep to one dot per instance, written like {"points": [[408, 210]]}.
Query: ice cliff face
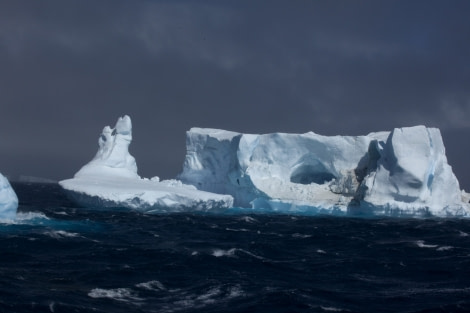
{"points": [[411, 172], [111, 180], [8, 200], [395, 173]]}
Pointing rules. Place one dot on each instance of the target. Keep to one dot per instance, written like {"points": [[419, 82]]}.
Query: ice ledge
{"points": [[110, 179], [143, 195]]}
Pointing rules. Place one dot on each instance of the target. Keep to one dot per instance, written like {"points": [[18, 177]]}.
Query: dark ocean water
{"points": [[59, 258]]}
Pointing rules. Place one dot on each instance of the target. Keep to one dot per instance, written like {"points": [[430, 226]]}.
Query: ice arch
{"points": [[311, 172]]}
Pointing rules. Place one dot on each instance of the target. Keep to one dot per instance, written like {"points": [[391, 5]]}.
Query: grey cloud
{"points": [[70, 68]]}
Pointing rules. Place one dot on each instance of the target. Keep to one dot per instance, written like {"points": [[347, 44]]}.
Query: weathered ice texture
{"points": [[403, 172]]}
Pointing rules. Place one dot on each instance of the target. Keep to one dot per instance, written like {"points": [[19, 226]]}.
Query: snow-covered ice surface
{"points": [[111, 180], [401, 173], [8, 200]]}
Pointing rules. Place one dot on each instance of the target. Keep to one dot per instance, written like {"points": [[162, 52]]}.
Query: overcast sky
{"points": [[68, 68]]}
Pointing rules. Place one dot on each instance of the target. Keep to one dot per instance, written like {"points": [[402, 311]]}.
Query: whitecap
{"points": [[444, 248], [118, 294], [254, 255], [214, 294], [463, 234], [61, 213], [297, 235], [248, 219], [26, 218], [60, 234], [219, 252], [209, 296], [231, 252], [235, 292], [330, 309], [154, 234], [321, 251], [237, 229], [51, 306], [151, 285], [421, 244]]}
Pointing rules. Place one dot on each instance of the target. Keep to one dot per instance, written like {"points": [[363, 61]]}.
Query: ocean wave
{"points": [[331, 309], [26, 218], [445, 248], [172, 300], [233, 252], [297, 235], [59, 234], [421, 244], [151, 285], [212, 295], [118, 294], [220, 253], [248, 219], [425, 291], [237, 230]]}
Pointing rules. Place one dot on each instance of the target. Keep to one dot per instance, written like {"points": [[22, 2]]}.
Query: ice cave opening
{"points": [[306, 174]]}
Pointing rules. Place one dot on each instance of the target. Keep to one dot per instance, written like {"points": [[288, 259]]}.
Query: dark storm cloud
{"points": [[68, 68]]}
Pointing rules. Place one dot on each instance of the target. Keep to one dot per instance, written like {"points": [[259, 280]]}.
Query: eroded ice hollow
{"points": [[110, 179], [8, 200], [403, 172]]}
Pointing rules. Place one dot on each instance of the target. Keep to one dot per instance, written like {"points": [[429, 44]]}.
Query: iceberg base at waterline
{"points": [[110, 180], [143, 195], [8, 200]]}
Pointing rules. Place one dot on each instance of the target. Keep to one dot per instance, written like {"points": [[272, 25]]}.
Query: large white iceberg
{"points": [[402, 172], [8, 200], [111, 180]]}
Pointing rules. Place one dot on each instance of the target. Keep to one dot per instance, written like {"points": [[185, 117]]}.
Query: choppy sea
{"points": [[60, 258]]}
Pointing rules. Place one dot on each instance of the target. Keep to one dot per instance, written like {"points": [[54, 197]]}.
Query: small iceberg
{"points": [[8, 200]]}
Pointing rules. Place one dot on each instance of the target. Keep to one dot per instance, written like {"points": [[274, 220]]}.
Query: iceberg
{"points": [[110, 179], [399, 173], [8, 200]]}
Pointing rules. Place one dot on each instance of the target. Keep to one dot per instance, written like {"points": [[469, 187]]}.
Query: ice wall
{"points": [[8, 200], [395, 173]]}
